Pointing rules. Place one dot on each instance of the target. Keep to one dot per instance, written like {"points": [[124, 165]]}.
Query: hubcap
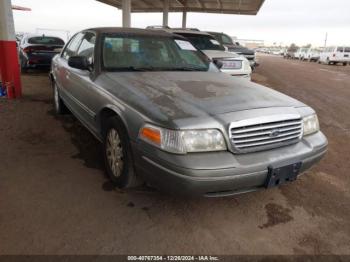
{"points": [[114, 153]]}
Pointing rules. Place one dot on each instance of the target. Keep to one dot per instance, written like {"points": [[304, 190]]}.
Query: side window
{"points": [[340, 49], [73, 46], [87, 47]]}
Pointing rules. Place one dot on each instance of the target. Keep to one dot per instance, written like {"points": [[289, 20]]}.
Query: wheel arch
{"points": [[108, 112]]}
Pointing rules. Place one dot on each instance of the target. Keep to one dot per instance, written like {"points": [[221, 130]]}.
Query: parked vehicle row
{"points": [[329, 55], [37, 50], [167, 115], [336, 54]]}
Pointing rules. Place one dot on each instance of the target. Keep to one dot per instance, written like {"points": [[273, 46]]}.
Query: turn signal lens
{"points": [[183, 141], [151, 134]]}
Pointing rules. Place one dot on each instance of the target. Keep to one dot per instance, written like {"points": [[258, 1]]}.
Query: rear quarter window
{"points": [[347, 49], [45, 41]]}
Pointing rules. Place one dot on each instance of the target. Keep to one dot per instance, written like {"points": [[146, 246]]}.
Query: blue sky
{"points": [[279, 21]]}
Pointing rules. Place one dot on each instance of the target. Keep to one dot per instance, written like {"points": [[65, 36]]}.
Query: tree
{"points": [[293, 48]]}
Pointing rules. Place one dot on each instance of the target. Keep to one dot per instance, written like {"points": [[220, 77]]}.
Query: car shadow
{"points": [[90, 151]]}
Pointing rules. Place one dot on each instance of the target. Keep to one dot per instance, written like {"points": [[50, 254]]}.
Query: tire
{"points": [[118, 154], [328, 62], [60, 107], [345, 64]]}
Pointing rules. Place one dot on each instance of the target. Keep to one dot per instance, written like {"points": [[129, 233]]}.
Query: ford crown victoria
{"points": [[168, 116]]}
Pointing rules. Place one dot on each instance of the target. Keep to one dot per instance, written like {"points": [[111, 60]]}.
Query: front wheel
{"points": [[117, 155], [344, 64]]}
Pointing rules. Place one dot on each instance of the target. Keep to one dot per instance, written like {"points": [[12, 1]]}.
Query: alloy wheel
{"points": [[114, 153]]}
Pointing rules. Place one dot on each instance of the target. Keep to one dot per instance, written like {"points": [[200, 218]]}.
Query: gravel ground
{"points": [[55, 198]]}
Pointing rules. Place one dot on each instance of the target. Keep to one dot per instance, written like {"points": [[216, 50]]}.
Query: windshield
{"points": [[45, 40], [203, 42], [226, 40], [151, 53]]}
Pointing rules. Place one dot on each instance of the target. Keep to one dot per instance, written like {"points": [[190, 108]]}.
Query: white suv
{"points": [[301, 53], [335, 54], [312, 54]]}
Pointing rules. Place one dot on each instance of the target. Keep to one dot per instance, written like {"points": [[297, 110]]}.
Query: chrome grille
{"points": [[264, 133]]}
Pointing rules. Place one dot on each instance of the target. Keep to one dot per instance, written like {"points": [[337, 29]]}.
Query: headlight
{"points": [[310, 125], [183, 141]]}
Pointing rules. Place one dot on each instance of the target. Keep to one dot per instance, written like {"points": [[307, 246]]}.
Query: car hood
{"points": [[212, 54], [178, 95]]}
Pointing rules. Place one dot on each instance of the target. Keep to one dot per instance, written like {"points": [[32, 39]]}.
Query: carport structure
{"points": [[9, 67], [240, 7]]}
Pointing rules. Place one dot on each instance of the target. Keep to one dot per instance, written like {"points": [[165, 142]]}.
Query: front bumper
{"points": [[253, 63], [220, 173]]}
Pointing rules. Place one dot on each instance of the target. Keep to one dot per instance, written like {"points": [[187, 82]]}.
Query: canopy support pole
{"points": [[126, 8], [184, 19], [166, 13], [9, 65]]}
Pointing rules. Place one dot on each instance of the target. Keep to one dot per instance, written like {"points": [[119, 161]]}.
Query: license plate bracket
{"points": [[278, 175]]}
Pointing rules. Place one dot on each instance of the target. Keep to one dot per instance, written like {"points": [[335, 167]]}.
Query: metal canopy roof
{"points": [[244, 7]]}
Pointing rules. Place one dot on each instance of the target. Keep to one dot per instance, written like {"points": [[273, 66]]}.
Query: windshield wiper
{"points": [[189, 69], [150, 68]]}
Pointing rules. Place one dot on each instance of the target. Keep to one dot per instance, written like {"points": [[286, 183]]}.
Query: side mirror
{"points": [[218, 63], [79, 62]]}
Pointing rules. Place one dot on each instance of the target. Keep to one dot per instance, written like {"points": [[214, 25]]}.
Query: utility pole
{"points": [[325, 41]]}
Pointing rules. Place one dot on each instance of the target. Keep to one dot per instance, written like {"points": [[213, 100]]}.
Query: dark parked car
{"points": [[167, 115], [37, 51], [232, 64], [226, 40]]}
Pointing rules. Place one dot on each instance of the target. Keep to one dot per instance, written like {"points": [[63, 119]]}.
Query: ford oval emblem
{"points": [[275, 133]]}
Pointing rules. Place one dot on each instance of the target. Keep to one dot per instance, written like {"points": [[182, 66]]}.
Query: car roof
{"points": [[218, 33], [136, 31], [29, 35], [184, 31], [181, 31]]}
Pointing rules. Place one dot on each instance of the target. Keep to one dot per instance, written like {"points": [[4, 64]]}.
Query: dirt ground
{"points": [[55, 199]]}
